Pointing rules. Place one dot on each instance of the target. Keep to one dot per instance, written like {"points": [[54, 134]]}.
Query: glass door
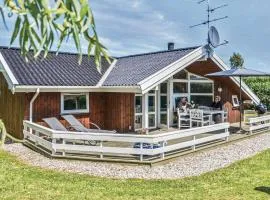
{"points": [[152, 113]]}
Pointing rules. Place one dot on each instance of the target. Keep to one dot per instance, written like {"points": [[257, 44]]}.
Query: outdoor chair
{"points": [[78, 126], [197, 117], [55, 124], [183, 119]]}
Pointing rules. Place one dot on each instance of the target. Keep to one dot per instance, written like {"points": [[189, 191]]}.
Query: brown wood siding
{"points": [[11, 109], [229, 88], [119, 114], [112, 111]]}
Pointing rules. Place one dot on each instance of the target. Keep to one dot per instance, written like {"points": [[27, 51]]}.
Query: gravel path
{"points": [[189, 165]]}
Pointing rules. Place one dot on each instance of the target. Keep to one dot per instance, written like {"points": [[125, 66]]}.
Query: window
{"points": [[202, 100], [180, 87], [75, 103], [138, 112], [201, 87], [181, 75]]}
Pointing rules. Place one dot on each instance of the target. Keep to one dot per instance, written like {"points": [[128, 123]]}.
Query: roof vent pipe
{"points": [[170, 46]]}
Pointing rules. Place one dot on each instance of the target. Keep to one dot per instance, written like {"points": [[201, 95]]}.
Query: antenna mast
{"points": [[209, 20]]}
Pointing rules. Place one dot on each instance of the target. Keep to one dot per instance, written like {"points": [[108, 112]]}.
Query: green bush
{"points": [[261, 87]]}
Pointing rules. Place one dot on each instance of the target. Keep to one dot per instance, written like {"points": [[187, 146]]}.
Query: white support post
{"points": [[64, 153], [101, 146], [194, 146], [53, 142], [141, 155], [162, 146], [145, 112], [226, 131], [168, 104]]}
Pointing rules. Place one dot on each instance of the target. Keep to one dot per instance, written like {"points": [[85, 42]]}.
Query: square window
{"points": [[179, 87], [74, 103]]}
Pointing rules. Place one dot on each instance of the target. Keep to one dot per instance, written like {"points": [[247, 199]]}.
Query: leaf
{"points": [[3, 17], [16, 30]]}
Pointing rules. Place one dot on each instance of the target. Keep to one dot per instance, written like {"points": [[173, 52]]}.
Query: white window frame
{"points": [[74, 111]]}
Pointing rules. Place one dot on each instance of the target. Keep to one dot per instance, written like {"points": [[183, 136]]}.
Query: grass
{"points": [[238, 181]]}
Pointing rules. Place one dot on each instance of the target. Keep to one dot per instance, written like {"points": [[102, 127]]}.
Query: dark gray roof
{"points": [[130, 70], [56, 70]]}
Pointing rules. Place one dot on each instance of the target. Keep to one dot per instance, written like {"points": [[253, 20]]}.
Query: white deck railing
{"points": [[259, 123], [121, 146]]}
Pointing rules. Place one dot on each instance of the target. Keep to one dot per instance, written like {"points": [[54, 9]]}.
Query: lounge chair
{"points": [[78, 126], [55, 124]]}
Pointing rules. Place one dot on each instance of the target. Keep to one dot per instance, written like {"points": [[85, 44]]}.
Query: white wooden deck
{"points": [[157, 146]]}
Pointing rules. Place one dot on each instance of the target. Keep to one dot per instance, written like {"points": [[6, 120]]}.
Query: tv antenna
{"points": [[213, 39]]}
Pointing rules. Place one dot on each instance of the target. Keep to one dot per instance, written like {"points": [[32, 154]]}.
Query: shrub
{"points": [[261, 87]]}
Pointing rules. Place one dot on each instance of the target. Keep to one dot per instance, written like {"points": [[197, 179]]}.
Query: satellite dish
{"points": [[213, 35]]}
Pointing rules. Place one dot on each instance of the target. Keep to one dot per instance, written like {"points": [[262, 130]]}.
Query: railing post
{"points": [[53, 150], [141, 148], [64, 142], [101, 146], [37, 134], [163, 153], [194, 145], [226, 131]]}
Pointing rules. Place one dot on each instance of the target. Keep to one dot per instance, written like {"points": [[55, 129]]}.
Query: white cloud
{"points": [[134, 26]]}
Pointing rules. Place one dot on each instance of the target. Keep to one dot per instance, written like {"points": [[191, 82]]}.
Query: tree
{"points": [[236, 60], [39, 21]]}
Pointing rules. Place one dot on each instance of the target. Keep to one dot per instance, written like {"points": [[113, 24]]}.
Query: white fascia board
{"points": [[106, 74], [7, 70], [162, 75], [236, 80], [125, 89]]}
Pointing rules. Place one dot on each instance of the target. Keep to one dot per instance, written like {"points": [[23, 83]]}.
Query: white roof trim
{"points": [[125, 89], [106, 74], [163, 74], [7, 70], [236, 80]]}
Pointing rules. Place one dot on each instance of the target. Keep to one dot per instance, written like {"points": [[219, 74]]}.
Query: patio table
{"points": [[214, 112]]}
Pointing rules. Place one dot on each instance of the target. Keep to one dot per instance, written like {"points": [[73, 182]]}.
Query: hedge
{"points": [[261, 87]]}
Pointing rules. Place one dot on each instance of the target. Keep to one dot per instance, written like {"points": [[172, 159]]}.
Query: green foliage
{"points": [[261, 87], [39, 21], [241, 180], [3, 133], [236, 60]]}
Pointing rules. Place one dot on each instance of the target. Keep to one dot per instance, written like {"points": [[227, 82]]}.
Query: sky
{"points": [[138, 26]]}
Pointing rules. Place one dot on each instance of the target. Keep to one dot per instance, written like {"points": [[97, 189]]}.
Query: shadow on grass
{"points": [[263, 189]]}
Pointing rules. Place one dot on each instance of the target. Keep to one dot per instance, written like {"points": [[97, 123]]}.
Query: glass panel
{"points": [[180, 87], [163, 88], [138, 122], [138, 104], [195, 77], [163, 103], [81, 102], [151, 104], [201, 87], [73, 102], [151, 120], [180, 75], [151, 92], [163, 118], [202, 100]]}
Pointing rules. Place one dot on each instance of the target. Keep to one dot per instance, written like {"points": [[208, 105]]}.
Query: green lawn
{"points": [[19, 181]]}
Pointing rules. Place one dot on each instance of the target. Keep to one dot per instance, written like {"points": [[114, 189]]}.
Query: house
{"points": [[132, 93]]}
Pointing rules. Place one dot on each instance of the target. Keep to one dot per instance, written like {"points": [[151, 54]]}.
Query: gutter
{"points": [[31, 105]]}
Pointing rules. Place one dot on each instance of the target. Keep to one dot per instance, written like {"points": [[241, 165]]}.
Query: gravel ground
{"points": [[185, 166]]}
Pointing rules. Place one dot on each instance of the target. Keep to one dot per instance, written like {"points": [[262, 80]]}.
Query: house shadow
{"points": [[263, 189]]}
